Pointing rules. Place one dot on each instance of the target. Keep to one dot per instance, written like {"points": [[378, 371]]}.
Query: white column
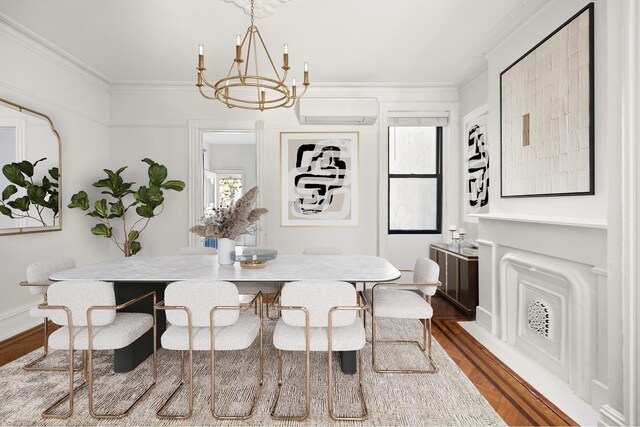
{"points": [[623, 233]]}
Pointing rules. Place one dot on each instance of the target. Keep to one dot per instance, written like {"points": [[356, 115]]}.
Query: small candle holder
{"points": [[455, 240], [462, 233], [452, 229]]}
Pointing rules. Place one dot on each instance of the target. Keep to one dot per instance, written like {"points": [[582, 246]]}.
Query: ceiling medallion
{"points": [[267, 92], [263, 9]]}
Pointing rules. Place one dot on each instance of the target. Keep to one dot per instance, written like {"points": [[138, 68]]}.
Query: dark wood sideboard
{"points": [[459, 277]]}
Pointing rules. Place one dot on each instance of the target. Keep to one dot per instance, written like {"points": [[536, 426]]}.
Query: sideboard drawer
{"points": [[459, 277]]}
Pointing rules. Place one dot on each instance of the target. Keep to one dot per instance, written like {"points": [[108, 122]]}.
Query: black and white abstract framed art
{"points": [[547, 115], [476, 163], [319, 178]]}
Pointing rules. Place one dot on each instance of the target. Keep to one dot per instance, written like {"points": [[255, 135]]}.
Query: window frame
{"points": [[437, 176]]}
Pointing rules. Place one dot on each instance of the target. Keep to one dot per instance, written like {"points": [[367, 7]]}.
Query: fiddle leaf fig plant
{"points": [[147, 201], [36, 197]]}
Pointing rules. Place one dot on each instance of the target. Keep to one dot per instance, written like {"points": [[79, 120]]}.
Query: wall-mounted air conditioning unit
{"points": [[338, 111]]}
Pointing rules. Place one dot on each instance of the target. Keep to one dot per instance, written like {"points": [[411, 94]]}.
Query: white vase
{"points": [[226, 251]]}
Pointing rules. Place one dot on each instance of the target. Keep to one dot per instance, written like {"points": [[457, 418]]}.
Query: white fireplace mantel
{"points": [[573, 251], [570, 222]]}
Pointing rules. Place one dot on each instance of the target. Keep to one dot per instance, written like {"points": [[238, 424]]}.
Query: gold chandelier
{"points": [[270, 91]]}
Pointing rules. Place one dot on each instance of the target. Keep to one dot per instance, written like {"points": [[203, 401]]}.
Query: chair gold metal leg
{"points": [[364, 413], [72, 390], [92, 411], [279, 389], [363, 403], [307, 391], [162, 416], [275, 297], [32, 366], [425, 347], [260, 376]]}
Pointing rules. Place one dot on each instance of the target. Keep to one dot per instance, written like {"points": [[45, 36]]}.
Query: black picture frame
{"points": [[590, 10]]}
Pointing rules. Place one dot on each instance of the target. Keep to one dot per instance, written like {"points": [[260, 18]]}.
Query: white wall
{"points": [[78, 104], [474, 94], [153, 122]]}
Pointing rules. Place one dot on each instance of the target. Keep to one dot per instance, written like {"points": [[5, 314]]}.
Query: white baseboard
{"points": [[17, 320], [554, 389], [610, 417], [599, 394], [485, 319]]}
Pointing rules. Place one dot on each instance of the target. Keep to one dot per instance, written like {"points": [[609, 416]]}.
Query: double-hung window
{"points": [[415, 179]]}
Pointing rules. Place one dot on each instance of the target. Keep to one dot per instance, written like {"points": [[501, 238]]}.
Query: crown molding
{"points": [[319, 88], [510, 23], [37, 44], [55, 104], [473, 73]]}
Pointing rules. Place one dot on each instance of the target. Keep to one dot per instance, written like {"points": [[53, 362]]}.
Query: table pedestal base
{"points": [[127, 358], [348, 362]]}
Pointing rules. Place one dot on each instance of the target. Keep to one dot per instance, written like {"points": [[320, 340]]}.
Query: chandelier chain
{"points": [[252, 7]]}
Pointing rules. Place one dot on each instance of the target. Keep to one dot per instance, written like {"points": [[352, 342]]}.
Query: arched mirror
{"points": [[30, 163]]}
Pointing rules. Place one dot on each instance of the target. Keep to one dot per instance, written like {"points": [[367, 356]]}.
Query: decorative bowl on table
{"points": [[255, 258]]}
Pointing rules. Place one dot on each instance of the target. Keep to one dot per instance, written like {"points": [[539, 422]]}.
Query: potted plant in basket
{"points": [[227, 224]]}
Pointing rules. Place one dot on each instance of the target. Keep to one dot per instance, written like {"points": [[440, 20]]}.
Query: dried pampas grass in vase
{"points": [[227, 224]]}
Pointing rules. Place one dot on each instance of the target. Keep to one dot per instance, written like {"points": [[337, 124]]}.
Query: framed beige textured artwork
{"points": [[547, 115], [319, 178]]}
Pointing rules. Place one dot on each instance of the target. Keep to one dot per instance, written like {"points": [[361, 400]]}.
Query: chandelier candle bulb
{"points": [[200, 63], [306, 67], [293, 87], [285, 56]]}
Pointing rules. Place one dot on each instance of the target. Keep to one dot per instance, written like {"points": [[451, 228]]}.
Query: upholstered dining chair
{"points": [[319, 316], [87, 312], [198, 250], [322, 250], [38, 282], [405, 301], [206, 315]]}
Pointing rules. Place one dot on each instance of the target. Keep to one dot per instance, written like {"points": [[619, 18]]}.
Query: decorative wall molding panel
{"points": [[541, 296], [560, 339], [263, 8]]}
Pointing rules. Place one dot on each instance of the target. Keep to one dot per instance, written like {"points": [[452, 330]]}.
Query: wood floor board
{"points": [[512, 398], [519, 403]]}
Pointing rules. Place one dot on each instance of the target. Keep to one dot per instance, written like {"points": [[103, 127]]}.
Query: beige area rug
{"points": [[446, 398]]}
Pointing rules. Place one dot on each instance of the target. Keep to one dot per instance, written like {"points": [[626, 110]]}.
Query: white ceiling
{"points": [[386, 41]]}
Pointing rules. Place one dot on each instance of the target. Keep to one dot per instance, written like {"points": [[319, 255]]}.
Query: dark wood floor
{"points": [[517, 402], [513, 398]]}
